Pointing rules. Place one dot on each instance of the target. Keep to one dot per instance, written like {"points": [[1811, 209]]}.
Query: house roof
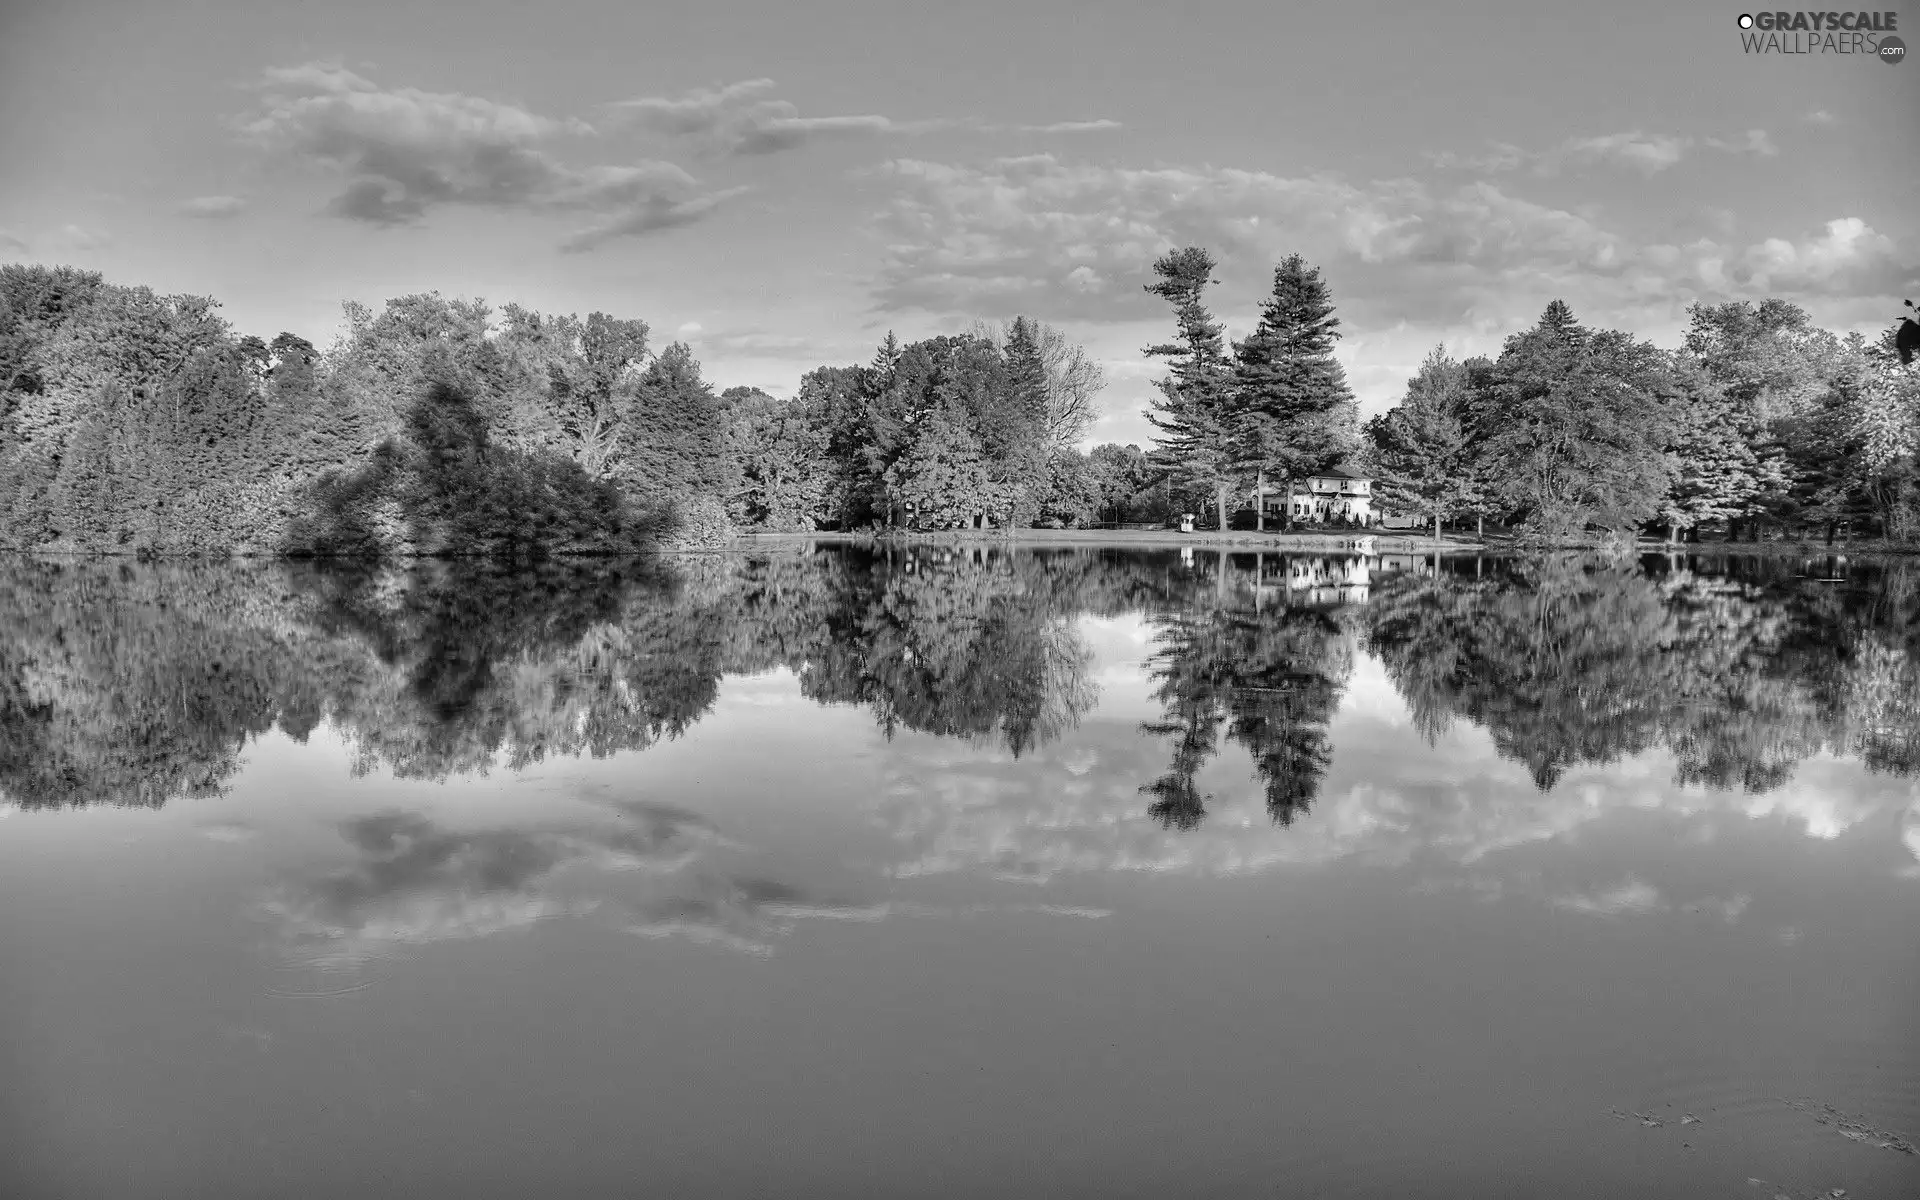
{"points": [[1336, 473]]}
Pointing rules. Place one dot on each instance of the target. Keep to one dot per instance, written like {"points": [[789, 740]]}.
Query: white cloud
{"points": [[213, 207], [1644, 152], [1637, 150], [1754, 142], [12, 244], [1849, 251], [741, 119], [1630, 896], [1099, 126]]}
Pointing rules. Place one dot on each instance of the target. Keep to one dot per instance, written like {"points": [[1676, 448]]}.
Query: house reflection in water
{"points": [[1312, 582], [1328, 581]]}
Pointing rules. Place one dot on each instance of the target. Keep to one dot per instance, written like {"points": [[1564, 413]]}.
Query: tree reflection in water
{"points": [[136, 684]]}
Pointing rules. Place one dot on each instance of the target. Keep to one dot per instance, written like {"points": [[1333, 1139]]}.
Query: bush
{"points": [[694, 522]]}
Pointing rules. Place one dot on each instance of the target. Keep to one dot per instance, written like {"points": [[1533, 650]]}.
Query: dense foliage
{"points": [[1760, 418], [142, 424]]}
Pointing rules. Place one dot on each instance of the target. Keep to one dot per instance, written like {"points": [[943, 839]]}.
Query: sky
{"points": [[781, 184]]}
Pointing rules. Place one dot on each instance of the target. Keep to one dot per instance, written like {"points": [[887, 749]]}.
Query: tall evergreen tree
{"points": [[1421, 448], [676, 440], [1293, 409], [1194, 411]]}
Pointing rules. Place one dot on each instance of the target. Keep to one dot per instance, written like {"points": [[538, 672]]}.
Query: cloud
{"points": [[740, 119], [413, 880], [10, 244], [650, 215], [1070, 240], [1631, 896], [213, 207], [1636, 150], [1820, 116], [1843, 259], [1647, 153], [1100, 126], [1754, 142], [401, 152]]}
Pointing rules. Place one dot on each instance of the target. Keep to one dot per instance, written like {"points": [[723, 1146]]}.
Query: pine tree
{"points": [[1292, 405], [1194, 411], [1421, 449]]}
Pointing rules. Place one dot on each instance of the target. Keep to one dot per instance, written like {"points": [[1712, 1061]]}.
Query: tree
{"points": [[780, 457], [1194, 411], [1577, 430], [577, 382], [674, 444], [1121, 473], [1776, 368], [833, 400], [944, 475], [1071, 380], [1291, 404], [1421, 449], [1076, 491], [1717, 472]]}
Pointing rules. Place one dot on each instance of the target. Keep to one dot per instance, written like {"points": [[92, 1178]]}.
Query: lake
{"points": [[969, 873]]}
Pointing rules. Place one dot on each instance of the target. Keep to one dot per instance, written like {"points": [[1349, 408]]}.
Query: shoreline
{"points": [[1117, 539], [1247, 540], [1237, 541]]}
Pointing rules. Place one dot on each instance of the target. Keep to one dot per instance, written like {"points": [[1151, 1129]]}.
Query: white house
{"points": [[1329, 496]]}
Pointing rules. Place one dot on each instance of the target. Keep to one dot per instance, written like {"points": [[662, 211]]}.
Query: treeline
{"points": [[136, 684], [132, 422], [137, 423], [1760, 419]]}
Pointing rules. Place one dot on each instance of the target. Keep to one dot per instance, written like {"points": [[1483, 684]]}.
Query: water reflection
{"points": [[127, 684]]}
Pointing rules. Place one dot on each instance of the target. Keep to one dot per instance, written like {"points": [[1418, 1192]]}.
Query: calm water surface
{"points": [[820, 873]]}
